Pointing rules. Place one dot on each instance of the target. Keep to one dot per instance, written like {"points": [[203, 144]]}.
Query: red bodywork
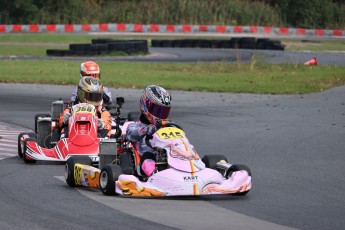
{"points": [[82, 140]]}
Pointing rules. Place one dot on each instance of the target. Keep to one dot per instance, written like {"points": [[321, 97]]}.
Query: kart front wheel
{"points": [[235, 168], [109, 175], [26, 157], [20, 136], [69, 167]]}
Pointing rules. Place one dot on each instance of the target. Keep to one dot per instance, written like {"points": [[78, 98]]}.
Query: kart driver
{"points": [[90, 90], [91, 69], [155, 107]]}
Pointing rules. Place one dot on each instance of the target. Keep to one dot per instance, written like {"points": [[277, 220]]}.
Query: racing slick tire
{"points": [[44, 133], [40, 115], [211, 161], [109, 175], [26, 158], [20, 152], [69, 167], [238, 167]]}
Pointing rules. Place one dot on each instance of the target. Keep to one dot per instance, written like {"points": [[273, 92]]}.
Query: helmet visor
{"points": [[93, 97], [95, 75], [159, 111]]}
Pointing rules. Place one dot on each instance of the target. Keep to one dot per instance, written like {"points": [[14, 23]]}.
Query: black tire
{"points": [[224, 44], [109, 175], [44, 133], [156, 43], [40, 115], [32, 135], [187, 43], [67, 52], [101, 40], [53, 52], [248, 43], [79, 47], [177, 43], [234, 43], [69, 167], [25, 157], [238, 167], [261, 43], [133, 116], [212, 160], [167, 43]]}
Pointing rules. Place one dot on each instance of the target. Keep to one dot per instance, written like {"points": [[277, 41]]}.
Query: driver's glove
{"points": [[151, 129], [147, 130], [66, 118], [100, 124]]}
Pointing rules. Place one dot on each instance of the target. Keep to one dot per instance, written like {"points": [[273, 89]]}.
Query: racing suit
{"points": [[136, 133]]}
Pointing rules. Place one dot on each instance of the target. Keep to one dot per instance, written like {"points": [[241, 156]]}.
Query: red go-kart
{"points": [[45, 144]]}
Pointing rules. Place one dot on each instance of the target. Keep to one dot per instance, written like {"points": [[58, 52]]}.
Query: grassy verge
{"points": [[256, 77], [215, 77]]}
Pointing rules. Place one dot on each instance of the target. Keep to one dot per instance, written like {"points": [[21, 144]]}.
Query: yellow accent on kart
{"points": [[170, 133], [85, 108], [90, 175], [130, 188]]}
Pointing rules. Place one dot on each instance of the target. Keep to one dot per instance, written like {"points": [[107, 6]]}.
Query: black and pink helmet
{"points": [[155, 103]]}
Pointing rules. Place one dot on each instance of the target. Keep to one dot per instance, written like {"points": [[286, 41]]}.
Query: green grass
{"points": [[256, 77], [215, 77]]}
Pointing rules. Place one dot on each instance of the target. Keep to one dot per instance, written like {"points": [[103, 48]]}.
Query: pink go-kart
{"points": [[179, 169]]}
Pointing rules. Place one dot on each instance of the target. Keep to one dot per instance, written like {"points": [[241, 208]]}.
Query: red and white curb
{"points": [[9, 139], [157, 28]]}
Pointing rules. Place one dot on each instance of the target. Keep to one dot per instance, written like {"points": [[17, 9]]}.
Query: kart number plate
{"points": [[94, 158], [170, 133], [84, 108]]}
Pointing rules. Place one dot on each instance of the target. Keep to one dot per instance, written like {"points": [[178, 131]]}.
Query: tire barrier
{"points": [[233, 43], [102, 46]]}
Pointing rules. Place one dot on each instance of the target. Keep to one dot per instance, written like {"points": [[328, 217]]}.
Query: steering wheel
{"points": [[168, 124]]}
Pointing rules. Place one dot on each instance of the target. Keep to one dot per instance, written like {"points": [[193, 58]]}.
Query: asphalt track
{"points": [[294, 145]]}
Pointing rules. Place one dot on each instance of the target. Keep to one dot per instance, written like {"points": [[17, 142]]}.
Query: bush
{"points": [[308, 14]]}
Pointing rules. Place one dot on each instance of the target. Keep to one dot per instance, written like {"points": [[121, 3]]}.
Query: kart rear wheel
{"points": [[109, 175], [43, 133], [212, 160], [235, 168], [20, 152], [40, 115], [69, 167], [26, 158]]}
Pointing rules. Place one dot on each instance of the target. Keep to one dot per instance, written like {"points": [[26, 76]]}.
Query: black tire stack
{"points": [[233, 43], [102, 46]]}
